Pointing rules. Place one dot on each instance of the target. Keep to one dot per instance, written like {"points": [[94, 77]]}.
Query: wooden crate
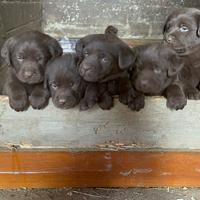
{"points": [[95, 148]]}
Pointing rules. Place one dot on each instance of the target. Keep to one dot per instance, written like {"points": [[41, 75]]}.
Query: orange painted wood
{"points": [[99, 169]]}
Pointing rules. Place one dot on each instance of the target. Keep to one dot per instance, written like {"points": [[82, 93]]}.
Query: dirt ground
{"points": [[102, 194]]}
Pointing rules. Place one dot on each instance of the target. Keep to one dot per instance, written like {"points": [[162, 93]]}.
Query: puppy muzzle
{"points": [[148, 86], [29, 73], [89, 72], [66, 101]]}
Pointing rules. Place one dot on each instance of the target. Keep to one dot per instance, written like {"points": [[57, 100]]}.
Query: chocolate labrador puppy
{"points": [[182, 34], [27, 55], [104, 56], [157, 73], [104, 59], [64, 82]]}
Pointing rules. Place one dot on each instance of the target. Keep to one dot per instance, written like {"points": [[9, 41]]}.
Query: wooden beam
{"points": [[154, 127], [136, 42], [99, 169]]}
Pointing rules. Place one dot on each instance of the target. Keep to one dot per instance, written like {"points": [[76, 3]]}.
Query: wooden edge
{"points": [[99, 169], [137, 42]]}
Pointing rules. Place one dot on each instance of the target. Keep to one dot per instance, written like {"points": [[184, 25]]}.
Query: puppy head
{"points": [[155, 68], [63, 81], [103, 55], [182, 30], [28, 54]]}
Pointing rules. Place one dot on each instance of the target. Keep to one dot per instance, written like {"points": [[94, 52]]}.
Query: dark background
{"points": [[75, 18], [134, 18]]}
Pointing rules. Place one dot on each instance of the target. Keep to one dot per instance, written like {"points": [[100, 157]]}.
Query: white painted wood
{"points": [[153, 127]]}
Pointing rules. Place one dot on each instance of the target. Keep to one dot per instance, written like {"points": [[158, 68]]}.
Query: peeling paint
{"points": [[166, 174], [136, 171], [108, 156], [142, 171], [126, 173]]}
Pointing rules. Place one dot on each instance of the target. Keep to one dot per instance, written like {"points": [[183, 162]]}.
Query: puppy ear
{"points": [[6, 49], [164, 28], [47, 71], [111, 30], [175, 65], [74, 63], [126, 58], [167, 23], [198, 24], [77, 60], [45, 84], [79, 48], [54, 47], [138, 58]]}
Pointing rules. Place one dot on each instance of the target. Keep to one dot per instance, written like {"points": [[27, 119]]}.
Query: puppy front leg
{"points": [[192, 92], [124, 88], [90, 97], [136, 100], [105, 101], [18, 98], [105, 95], [129, 96], [176, 98], [39, 97]]}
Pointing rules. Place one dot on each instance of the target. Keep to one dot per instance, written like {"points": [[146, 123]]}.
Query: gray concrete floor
{"points": [[102, 194]]}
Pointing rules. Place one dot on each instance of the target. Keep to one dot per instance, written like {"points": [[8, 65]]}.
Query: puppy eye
{"points": [[86, 53], [184, 28], [138, 68], [19, 58], [157, 71], [54, 86], [104, 59], [39, 58]]}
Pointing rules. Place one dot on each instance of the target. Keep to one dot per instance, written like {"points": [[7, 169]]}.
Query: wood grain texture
{"points": [[99, 169], [137, 42], [116, 129]]}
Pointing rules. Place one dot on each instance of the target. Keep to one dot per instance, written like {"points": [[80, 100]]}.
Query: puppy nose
{"points": [[62, 101], [86, 66], [170, 38], [28, 74], [144, 82]]}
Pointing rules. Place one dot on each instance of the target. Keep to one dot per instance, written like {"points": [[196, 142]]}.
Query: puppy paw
{"points": [[106, 105], [86, 104], [106, 102], [137, 103], [18, 102], [192, 93], [134, 100], [83, 105], [38, 102], [124, 99], [176, 102]]}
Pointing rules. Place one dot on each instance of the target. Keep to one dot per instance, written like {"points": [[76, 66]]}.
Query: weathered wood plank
{"points": [[119, 128], [99, 169]]}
